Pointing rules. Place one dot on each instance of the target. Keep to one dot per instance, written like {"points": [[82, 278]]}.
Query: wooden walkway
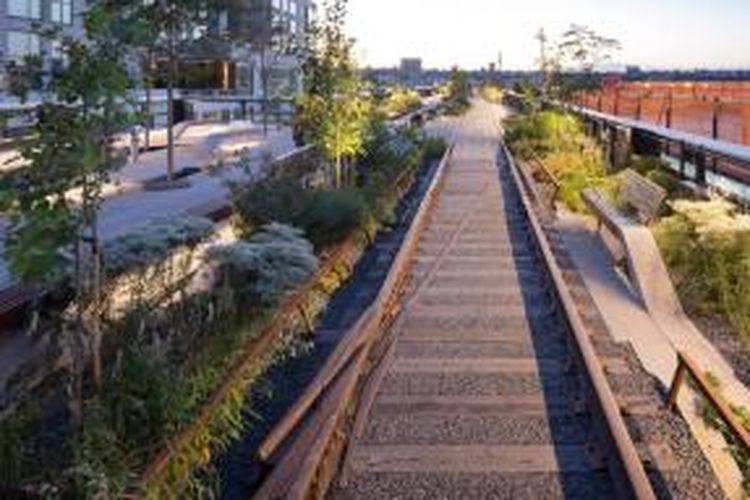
{"points": [[474, 398]]}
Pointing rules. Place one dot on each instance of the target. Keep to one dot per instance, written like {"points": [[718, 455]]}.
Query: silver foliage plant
{"points": [[275, 260], [153, 242]]}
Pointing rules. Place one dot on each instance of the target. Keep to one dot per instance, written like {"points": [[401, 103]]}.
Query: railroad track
{"points": [[472, 375]]}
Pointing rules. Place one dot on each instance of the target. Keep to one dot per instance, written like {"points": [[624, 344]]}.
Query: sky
{"points": [[655, 34]]}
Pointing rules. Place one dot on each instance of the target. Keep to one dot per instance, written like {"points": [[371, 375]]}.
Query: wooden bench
{"points": [[644, 197], [634, 247]]}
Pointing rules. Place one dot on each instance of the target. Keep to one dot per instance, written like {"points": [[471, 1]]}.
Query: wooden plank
{"points": [[473, 365], [644, 195], [471, 458], [532, 405], [297, 467]]}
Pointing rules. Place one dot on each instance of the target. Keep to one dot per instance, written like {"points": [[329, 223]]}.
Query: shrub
{"points": [[707, 248], [492, 93], [152, 242], [332, 215], [434, 148], [547, 132], [576, 171], [267, 201], [273, 261], [401, 101]]}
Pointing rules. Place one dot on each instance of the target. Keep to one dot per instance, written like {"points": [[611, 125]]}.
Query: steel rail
{"points": [[638, 482]]}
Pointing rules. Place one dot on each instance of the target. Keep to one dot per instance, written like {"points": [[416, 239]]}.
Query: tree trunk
{"points": [[264, 81], [337, 173], [149, 117], [170, 107], [96, 301]]}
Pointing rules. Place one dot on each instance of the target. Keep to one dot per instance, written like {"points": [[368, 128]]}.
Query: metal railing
{"points": [[686, 366]]}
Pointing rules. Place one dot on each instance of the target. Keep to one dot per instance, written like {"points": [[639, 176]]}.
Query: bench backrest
{"points": [[645, 196]]}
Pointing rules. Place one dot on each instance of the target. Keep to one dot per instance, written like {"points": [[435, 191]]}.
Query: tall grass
{"points": [[706, 246], [559, 141]]}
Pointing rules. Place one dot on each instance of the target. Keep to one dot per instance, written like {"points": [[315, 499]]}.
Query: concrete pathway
{"points": [[656, 334], [127, 205]]}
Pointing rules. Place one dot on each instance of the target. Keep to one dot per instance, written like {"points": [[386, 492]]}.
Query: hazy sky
{"points": [[654, 33]]}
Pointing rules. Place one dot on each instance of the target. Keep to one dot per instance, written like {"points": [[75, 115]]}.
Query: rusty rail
{"points": [[296, 471], [551, 178], [627, 455], [687, 366]]}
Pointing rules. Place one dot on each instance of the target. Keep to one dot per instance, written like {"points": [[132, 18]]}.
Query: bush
{"points": [[707, 248], [153, 242], [273, 261], [267, 201], [332, 215], [492, 93], [434, 148], [401, 101], [547, 132]]}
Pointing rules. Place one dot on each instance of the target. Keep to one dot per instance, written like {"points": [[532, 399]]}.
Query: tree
{"points": [[333, 112], [53, 202], [163, 30], [586, 48], [459, 91], [581, 51]]}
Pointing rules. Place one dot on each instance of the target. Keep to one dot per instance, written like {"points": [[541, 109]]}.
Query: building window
{"points": [[61, 11], [30, 9], [22, 44]]}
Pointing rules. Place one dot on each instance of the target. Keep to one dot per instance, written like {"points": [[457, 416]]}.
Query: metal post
{"points": [[715, 128], [700, 168], [715, 120], [683, 160], [638, 110], [669, 110], [617, 102]]}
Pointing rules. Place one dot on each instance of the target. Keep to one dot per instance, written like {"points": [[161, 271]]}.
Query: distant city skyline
{"points": [[669, 34]]}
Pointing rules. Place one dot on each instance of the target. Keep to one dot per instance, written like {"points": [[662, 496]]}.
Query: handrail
{"points": [[624, 446], [356, 342], [715, 147], [687, 366], [356, 336]]}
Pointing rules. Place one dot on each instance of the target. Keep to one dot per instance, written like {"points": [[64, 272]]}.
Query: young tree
{"points": [[581, 50], [332, 113], [166, 28], [54, 201], [459, 91]]}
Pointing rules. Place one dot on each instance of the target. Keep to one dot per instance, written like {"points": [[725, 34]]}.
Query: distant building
{"points": [[19, 23], [411, 71], [256, 33]]}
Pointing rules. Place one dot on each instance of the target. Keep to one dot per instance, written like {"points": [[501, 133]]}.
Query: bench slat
{"points": [[645, 196]]}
